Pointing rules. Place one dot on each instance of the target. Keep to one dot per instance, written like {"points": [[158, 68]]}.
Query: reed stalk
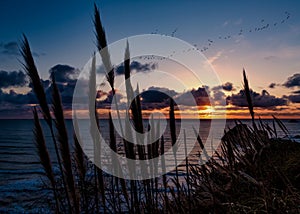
{"points": [[81, 165], [62, 137], [163, 166], [44, 155], [187, 171], [173, 133], [94, 130]]}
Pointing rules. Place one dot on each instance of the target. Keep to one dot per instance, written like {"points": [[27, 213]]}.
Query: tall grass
{"points": [[245, 175]]}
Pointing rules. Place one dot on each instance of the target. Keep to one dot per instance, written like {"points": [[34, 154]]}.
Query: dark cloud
{"points": [[105, 99], [137, 67], [10, 48], [66, 81], [294, 98], [156, 98], [65, 76], [157, 94], [296, 92], [200, 96], [64, 73], [259, 100], [293, 81], [272, 85], [12, 78], [227, 86], [14, 98]]}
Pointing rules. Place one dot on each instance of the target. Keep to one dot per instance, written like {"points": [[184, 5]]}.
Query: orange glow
{"points": [[207, 112]]}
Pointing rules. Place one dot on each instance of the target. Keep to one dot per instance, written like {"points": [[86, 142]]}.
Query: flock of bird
{"points": [[210, 42]]}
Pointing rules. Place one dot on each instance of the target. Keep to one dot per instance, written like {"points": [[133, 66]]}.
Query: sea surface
{"points": [[21, 175]]}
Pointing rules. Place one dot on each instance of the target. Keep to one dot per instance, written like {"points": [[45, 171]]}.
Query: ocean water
{"points": [[21, 175]]}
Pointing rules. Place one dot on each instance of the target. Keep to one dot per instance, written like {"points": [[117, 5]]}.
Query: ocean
{"points": [[21, 175]]}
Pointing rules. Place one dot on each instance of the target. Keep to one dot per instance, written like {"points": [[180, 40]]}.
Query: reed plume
{"points": [[32, 72], [102, 47], [62, 137], [248, 95]]}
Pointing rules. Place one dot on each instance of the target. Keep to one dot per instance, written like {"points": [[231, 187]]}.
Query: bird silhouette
{"points": [[261, 26]]}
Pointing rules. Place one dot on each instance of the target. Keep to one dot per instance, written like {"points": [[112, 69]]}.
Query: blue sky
{"points": [[61, 32]]}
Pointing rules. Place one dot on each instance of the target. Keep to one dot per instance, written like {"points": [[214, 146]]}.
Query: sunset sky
{"points": [[261, 36]]}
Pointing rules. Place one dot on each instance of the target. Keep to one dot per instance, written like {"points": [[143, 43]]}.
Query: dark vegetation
{"points": [[253, 171]]}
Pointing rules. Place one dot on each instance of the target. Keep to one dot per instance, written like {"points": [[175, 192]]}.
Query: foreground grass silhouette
{"points": [[253, 170]]}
